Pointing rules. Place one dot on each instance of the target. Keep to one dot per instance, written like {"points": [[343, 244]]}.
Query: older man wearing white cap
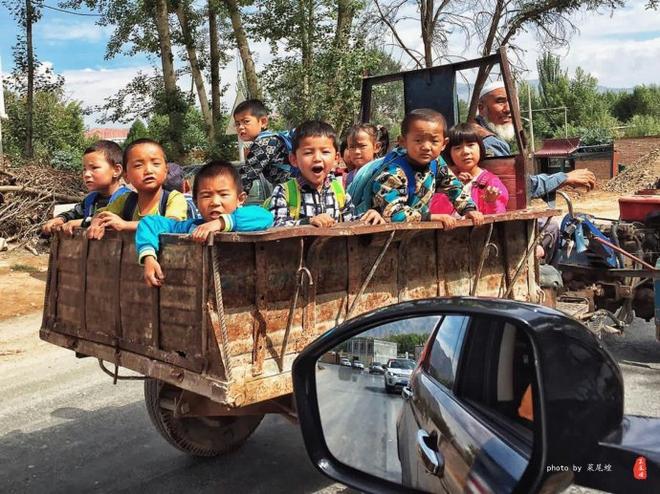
{"points": [[495, 119]]}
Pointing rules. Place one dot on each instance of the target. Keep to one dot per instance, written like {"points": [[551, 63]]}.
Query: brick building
{"points": [[630, 149], [109, 134], [565, 155]]}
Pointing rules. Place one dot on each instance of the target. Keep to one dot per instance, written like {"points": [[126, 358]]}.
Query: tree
{"points": [[214, 60], [240, 37], [587, 110], [432, 26], [137, 131], [188, 22], [57, 127], [407, 342], [500, 21], [644, 100], [29, 74]]}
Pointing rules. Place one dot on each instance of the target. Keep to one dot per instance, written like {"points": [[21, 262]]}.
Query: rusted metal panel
{"points": [[175, 333]]}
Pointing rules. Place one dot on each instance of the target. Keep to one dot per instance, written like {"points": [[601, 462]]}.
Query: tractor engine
{"points": [[591, 277]]}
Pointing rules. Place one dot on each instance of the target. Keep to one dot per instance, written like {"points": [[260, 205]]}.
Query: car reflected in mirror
{"points": [[373, 397]]}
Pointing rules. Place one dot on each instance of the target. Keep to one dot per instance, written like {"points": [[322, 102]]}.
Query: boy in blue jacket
{"points": [[219, 196]]}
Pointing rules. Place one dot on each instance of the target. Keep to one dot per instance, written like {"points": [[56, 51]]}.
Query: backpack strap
{"points": [[132, 201], [162, 207], [129, 206], [340, 193], [292, 196], [88, 204]]}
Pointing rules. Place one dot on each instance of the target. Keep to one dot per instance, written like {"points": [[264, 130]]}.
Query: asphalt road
{"points": [[359, 419], [65, 428]]}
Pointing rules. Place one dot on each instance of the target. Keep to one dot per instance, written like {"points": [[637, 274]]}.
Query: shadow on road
{"points": [[116, 449]]}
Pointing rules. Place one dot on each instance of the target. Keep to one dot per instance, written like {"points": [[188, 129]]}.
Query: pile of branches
{"points": [[27, 196], [642, 174]]}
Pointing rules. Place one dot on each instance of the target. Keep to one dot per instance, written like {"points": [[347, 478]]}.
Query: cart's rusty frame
{"points": [[233, 342]]}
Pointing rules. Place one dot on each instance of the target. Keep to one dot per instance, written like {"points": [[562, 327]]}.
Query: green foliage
{"points": [[408, 341], [643, 125], [587, 113], [137, 131], [195, 143], [58, 128], [644, 100], [335, 82]]}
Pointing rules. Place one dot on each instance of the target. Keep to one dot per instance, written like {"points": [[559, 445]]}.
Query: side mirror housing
{"points": [[577, 391]]}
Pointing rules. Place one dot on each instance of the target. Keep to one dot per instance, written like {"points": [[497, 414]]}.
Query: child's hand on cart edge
{"points": [[476, 217], [203, 231], [153, 273]]}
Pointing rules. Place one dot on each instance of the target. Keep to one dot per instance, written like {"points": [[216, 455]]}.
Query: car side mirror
{"points": [[495, 393]]}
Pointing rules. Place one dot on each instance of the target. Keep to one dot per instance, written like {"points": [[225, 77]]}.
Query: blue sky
{"points": [[621, 48]]}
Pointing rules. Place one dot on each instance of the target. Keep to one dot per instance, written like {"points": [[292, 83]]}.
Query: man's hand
{"points": [[323, 220], [476, 217], [372, 217], [447, 221], [111, 220], [52, 225], [202, 232], [581, 178], [153, 274], [69, 226], [491, 193]]}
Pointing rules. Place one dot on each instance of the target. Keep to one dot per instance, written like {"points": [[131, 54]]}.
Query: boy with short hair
{"points": [[102, 171], [405, 180], [146, 170], [315, 197], [268, 156], [218, 194]]}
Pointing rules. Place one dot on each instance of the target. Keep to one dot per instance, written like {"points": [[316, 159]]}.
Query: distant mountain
{"points": [[464, 91]]}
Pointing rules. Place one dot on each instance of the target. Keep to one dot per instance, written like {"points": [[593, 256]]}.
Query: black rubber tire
{"points": [[198, 436], [388, 388]]}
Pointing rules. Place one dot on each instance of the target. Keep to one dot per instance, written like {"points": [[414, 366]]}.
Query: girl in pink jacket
{"points": [[463, 154]]}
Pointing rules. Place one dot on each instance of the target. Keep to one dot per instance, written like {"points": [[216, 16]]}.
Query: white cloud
{"points": [[621, 48], [64, 30], [92, 86]]}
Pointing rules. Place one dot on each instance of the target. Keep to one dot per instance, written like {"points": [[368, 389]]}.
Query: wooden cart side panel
{"points": [[138, 303], [180, 319], [69, 287], [455, 255], [259, 278], [102, 290]]}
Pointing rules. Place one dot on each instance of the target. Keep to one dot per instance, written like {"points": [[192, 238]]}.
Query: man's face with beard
{"points": [[494, 108]]}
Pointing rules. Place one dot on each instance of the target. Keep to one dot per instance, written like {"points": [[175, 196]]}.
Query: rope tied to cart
{"points": [[220, 313], [302, 273]]}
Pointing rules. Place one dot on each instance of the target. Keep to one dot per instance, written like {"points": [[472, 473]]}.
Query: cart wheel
{"points": [[198, 436]]}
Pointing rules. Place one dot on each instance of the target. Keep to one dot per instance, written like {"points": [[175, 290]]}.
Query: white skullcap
{"points": [[491, 86]]}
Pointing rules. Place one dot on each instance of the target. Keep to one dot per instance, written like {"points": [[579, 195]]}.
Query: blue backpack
{"points": [[286, 136], [361, 188], [89, 202]]}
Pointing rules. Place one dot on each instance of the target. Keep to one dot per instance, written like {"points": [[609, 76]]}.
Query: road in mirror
{"points": [[359, 385]]}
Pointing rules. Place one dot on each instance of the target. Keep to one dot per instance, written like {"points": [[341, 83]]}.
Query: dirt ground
{"points": [[23, 275]]}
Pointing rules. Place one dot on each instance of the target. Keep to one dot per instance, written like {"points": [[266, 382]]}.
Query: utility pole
{"points": [[2, 115], [30, 79], [531, 122]]}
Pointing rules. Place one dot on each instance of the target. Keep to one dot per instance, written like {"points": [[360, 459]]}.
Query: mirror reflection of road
{"points": [[359, 419]]}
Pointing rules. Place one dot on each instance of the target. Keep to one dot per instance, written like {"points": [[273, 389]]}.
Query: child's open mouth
{"points": [[317, 169]]}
